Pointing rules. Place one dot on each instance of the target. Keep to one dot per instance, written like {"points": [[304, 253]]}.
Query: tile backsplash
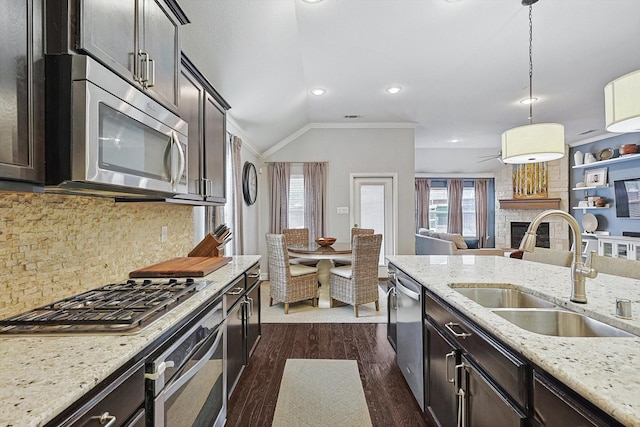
{"points": [[53, 246]]}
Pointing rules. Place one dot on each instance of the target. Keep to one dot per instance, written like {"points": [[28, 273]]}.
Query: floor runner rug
{"points": [[320, 392]]}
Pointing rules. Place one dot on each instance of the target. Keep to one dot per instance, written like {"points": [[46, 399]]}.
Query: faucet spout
{"points": [[579, 272]]}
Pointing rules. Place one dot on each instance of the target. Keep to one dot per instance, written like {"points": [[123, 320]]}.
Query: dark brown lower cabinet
{"points": [[555, 407], [441, 384], [481, 404]]}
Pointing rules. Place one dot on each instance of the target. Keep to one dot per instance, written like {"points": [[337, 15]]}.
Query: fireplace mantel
{"points": [[530, 203]]}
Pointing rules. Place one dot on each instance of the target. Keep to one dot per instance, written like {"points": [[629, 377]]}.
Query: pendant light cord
{"points": [[530, 65]]}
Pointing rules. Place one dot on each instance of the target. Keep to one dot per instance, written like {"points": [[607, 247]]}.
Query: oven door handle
{"points": [[186, 376]]}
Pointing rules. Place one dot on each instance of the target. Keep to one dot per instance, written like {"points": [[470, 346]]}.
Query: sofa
{"points": [[432, 243]]}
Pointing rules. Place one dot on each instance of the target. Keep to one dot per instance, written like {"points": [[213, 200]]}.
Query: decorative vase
{"points": [[589, 158], [578, 158]]}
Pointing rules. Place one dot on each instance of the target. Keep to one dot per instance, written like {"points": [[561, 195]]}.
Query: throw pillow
{"points": [[455, 238], [423, 231]]}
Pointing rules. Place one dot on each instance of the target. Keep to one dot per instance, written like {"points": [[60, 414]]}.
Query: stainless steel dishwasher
{"points": [[410, 344]]}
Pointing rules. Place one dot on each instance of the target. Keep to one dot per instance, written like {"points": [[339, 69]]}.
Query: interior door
{"points": [[374, 205]]}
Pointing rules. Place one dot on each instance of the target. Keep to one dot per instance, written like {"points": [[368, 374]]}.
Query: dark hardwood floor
{"points": [[388, 397]]}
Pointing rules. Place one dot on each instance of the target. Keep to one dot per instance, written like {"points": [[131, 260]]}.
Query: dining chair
{"points": [[355, 231], [289, 283], [616, 266], [357, 284], [298, 236], [562, 258]]}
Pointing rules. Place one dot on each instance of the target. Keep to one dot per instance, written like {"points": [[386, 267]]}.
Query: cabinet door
{"points": [[252, 307], [235, 346], [441, 379], [483, 404], [554, 408], [21, 86], [161, 41], [191, 103], [214, 151], [108, 32], [634, 251], [605, 248], [622, 250]]}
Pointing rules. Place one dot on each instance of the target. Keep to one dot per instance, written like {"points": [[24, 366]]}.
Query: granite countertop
{"points": [[43, 375], [602, 370]]}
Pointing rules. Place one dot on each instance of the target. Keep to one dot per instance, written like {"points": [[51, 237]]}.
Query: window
{"points": [[439, 207], [296, 197]]}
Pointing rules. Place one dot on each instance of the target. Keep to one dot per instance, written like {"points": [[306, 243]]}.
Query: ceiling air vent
{"points": [[352, 116], [587, 131]]}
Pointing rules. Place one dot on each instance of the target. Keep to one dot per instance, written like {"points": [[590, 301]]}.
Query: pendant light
{"points": [[532, 143], [622, 103]]}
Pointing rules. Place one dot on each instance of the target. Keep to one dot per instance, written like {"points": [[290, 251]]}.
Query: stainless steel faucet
{"points": [[579, 271]]}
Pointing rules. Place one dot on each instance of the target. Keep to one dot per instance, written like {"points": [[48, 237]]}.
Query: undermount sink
{"points": [[503, 298], [560, 323]]}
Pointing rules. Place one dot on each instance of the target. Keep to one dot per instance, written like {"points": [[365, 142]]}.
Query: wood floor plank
{"points": [[389, 399]]}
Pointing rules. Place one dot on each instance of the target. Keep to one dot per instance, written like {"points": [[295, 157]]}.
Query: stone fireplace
{"points": [[558, 188]]}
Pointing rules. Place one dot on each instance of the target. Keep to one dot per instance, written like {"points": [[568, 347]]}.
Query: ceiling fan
{"points": [[497, 156]]}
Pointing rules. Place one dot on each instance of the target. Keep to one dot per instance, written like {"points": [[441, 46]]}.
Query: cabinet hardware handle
{"points": [[145, 59], [236, 291], [105, 419], [254, 275], [153, 72], [250, 305], [450, 326], [451, 379]]}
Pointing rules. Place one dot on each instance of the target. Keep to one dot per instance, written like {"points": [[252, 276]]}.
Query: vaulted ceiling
{"points": [[463, 65]]}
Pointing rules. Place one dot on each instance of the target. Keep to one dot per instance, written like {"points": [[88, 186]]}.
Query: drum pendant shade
{"points": [[622, 103], [535, 143]]}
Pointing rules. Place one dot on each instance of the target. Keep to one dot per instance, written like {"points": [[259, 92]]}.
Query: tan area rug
{"points": [[319, 392], [304, 312]]}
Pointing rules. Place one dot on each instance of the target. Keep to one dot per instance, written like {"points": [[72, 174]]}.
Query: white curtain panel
{"points": [[236, 200]]}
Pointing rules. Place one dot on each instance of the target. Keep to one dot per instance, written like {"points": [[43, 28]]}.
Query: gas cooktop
{"points": [[119, 308]]}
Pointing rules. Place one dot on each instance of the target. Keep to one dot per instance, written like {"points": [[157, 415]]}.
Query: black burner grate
{"points": [[111, 308]]}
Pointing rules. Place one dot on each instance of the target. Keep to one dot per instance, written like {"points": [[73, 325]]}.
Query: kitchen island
{"points": [[41, 376], [602, 370]]}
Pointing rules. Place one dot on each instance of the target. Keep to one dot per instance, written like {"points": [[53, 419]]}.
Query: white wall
{"points": [[352, 151]]}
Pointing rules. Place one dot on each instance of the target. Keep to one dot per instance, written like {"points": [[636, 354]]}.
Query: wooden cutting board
{"points": [[182, 267]]}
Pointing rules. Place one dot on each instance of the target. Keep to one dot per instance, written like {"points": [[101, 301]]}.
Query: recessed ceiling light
{"points": [[454, 140], [318, 91], [312, 1], [452, 1], [394, 89], [528, 101]]}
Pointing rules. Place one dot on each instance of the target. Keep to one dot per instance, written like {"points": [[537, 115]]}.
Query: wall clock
{"points": [[249, 183]]}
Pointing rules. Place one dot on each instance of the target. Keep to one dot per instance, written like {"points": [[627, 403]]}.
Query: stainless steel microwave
{"points": [[106, 137]]}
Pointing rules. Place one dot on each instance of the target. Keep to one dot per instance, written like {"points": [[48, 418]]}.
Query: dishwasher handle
{"points": [[408, 292]]}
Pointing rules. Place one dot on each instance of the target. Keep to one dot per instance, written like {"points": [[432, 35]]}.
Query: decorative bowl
{"points": [[325, 241], [628, 149]]}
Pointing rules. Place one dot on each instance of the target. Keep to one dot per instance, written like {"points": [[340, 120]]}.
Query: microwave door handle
{"points": [[175, 179], [186, 376]]}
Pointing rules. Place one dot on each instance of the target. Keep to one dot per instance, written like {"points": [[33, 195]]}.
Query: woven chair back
{"points": [[364, 258], [296, 236], [355, 231], [278, 257]]}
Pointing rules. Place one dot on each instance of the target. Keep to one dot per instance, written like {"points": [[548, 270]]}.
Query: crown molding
{"points": [[235, 129]]}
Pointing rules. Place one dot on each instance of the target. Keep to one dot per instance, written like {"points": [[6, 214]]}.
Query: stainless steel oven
{"points": [[186, 382], [105, 135]]}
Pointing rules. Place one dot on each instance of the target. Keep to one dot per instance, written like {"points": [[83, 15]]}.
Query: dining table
{"points": [[324, 254]]}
